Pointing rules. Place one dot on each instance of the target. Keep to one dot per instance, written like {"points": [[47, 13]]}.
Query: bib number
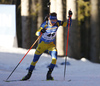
{"points": [[49, 36]]}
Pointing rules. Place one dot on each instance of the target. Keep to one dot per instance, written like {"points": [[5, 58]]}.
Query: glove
{"points": [[70, 15], [43, 30]]}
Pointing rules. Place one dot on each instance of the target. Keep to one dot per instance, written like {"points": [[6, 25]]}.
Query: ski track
{"points": [[78, 73]]}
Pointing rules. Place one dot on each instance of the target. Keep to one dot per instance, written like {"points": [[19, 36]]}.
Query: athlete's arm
{"points": [[38, 32]]}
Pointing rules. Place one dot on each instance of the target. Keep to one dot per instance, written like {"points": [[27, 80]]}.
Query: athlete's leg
{"points": [[53, 53], [40, 49], [33, 63], [54, 58]]}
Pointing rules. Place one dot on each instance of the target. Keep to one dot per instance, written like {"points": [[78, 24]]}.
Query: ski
{"points": [[57, 80], [49, 80], [29, 80], [11, 80], [14, 80]]}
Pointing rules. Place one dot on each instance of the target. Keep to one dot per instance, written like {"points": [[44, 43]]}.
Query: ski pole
{"points": [[70, 14], [24, 56]]}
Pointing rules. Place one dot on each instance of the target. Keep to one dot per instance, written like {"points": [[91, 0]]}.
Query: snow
{"points": [[78, 72]]}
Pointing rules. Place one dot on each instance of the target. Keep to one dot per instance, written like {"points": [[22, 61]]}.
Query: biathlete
{"points": [[48, 30]]}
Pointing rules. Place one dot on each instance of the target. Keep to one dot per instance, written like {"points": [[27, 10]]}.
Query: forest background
{"points": [[84, 34]]}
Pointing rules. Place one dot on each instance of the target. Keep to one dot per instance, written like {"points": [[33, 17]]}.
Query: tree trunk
{"points": [[26, 37], [53, 6], [60, 32], [74, 32], [40, 13], [87, 38], [18, 23], [94, 49], [33, 21], [57, 6]]}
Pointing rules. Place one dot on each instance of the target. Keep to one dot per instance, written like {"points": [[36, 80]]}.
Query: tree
{"points": [[18, 23], [33, 14], [53, 6], [25, 13], [74, 32], [57, 6], [60, 32], [94, 49], [84, 25], [40, 13]]}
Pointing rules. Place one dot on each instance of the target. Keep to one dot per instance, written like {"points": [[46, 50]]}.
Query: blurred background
{"points": [[84, 33]]}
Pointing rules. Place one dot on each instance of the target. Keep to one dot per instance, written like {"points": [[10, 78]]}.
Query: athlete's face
{"points": [[52, 21]]}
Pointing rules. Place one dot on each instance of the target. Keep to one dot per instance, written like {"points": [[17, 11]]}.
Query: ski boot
{"points": [[49, 77], [27, 76]]}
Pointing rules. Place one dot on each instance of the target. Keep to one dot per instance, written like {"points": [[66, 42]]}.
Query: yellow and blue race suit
{"points": [[46, 42]]}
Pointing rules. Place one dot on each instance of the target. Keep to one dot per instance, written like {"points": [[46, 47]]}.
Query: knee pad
{"points": [[53, 54], [54, 60]]}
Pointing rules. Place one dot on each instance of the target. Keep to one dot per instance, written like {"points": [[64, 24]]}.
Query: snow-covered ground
{"points": [[78, 73]]}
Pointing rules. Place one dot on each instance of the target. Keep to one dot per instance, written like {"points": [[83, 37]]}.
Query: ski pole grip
{"points": [[70, 13]]}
